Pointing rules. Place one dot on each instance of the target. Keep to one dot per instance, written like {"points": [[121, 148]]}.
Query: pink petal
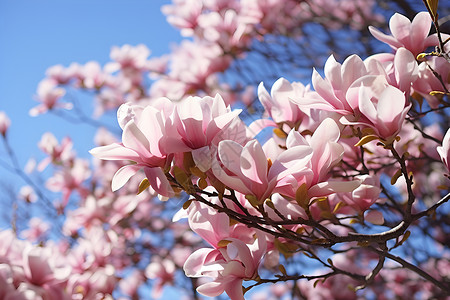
{"points": [[151, 126], [132, 137], [366, 105], [115, 152], [193, 133], [233, 269], [203, 158], [291, 161], [253, 162], [256, 126], [230, 155], [123, 175], [332, 71], [207, 223], [406, 69], [264, 98], [294, 138], [390, 104], [329, 187], [400, 28], [325, 90], [193, 265], [220, 123], [388, 39], [241, 250], [328, 131], [281, 91], [158, 181], [352, 68], [212, 289], [420, 28], [444, 150], [234, 289], [218, 106], [230, 181]]}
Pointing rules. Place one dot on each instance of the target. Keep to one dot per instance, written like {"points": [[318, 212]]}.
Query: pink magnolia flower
{"points": [[93, 283], [326, 151], [7, 289], [332, 288], [213, 226], [129, 57], [401, 69], [92, 212], [227, 29], [163, 272], [444, 150], [92, 75], [384, 112], [5, 122], [228, 266], [131, 61], [69, 179], [158, 65], [428, 82], [246, 168], [48, 93], [37, 229], [204, 122], [279, 105], [58, 154], [130, 285], [192, 68], [27, 194], [42, 268], [411, 35], [111, 98], [63, 75], [365, 193], [146, 139], [235, 255], [333, 88], [183, 14]]}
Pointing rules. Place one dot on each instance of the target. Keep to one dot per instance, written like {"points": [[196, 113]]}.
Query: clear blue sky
{"points": [[35, 35]]}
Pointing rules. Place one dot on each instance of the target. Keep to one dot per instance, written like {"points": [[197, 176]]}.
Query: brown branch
{"points": [[430, 210], [442, 285]]}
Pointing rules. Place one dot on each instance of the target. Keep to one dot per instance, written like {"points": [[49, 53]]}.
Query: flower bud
{"points": [[4, 123]]}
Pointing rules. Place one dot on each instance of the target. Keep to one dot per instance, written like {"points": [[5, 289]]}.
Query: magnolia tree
{"points": [[227, 180]]}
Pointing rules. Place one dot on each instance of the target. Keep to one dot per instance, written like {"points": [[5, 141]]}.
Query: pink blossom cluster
{"points": [[225, 30], [29, 271], [122, 78], [200, 143], [221, 32], [253, 201]]}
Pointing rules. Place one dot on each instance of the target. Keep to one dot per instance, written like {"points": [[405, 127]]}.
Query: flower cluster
{"points": [[331, 170], [201, 144]]}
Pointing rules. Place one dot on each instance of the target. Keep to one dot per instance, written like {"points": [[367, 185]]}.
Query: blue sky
{"points": [[35, 35]]}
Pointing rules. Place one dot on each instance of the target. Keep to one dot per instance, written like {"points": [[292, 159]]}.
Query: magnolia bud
{"points": [[4, 123]]}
